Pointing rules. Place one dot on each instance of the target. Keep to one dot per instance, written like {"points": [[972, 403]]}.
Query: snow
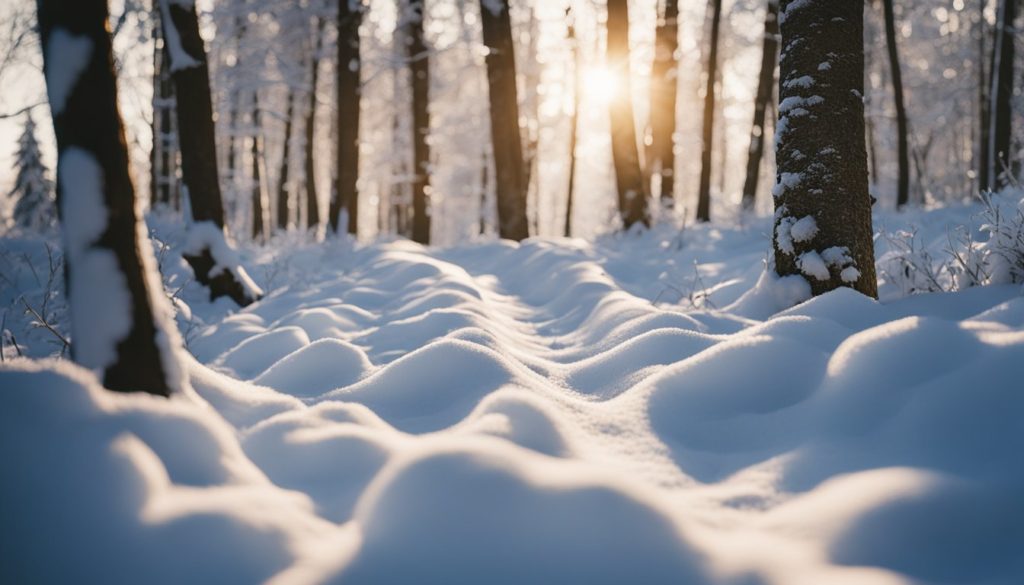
{"points": [[811, 264], [206, 235], [786, 181], [804, 229], [540, 412], [67, 56], [180, 59]]}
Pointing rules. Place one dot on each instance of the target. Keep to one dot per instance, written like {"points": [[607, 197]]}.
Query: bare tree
{"points": [[118, 312], [283, 206], [312, 198], [711, 73], [822, 206], [418, 56], [1001, 163], [629, 181], [765, 90], [661, 160], [506, 139], [903, 183], [349, 75], [574, 121]]}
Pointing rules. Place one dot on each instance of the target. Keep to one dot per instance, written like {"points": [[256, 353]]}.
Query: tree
{"points": [[506, 140], [903, 184], [822, 206], [1001, 163], [312, 199], [708, 137], [212, 259], [349, 74], [419, 69], [119, 314], [33, 189], [163, 154], [255, 159], [283, 206], [629, 181], [574, 121], [765, 89], [661, 158]]}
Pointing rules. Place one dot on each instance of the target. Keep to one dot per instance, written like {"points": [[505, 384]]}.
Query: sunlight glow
{"points": [[600, 84]]}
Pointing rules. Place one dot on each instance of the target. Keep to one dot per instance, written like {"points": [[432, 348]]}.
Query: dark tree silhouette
{"points": [[506, 139], [1001, 163], [106, 261], [419, 70], [711, 74], [903, 182], [163, 154], [312, 198], [661, 158], [765, 90], [822, 206], [348, 70], [283, 206]]}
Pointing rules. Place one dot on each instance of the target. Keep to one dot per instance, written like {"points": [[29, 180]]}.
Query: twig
{"points": [[47, 326]]}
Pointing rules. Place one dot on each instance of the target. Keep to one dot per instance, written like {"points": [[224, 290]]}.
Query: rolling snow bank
{"points": [[499, 413]]}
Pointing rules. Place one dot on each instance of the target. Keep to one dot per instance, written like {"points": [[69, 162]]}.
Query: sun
{"points": [[600, 83]]}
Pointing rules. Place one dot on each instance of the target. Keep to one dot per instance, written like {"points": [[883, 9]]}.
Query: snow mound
{"points": [[317, 368]]}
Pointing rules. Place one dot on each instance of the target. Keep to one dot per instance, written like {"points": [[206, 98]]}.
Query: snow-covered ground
{"points": [[630, 410]]}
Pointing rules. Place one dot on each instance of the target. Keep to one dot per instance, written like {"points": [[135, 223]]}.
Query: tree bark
{"points": [[197, 144], [282, 175], [903, 182], [349, 68], [312, 198], [419, 73], [661, 158], [985, 121], [573, 122], [106, 260], [256, 189], [708, 136], [822, 206], [765, 89], [504, 113], [1001, 162]]}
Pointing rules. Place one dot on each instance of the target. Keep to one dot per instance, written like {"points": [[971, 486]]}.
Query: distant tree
{"points": [[1001, 160], [661, 158], [312, 198], [903, 183], [255, 161], [574, 121], [283, 203], [209, 254], [506, 139], [711, 74], [629, 181], [984, 115], [349, 84], [822, 206], [418, 56], [765, 90], [119, 316], [163, 159], [33, 190]]}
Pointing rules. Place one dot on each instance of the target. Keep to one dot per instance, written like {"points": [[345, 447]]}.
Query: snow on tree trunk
{"points": [[822, 206], [711, 75], [33, 190], [348, 70], [661, 158], [506, 139], [419, 69], [121, 320], [765, 89], [629, 181], [903, 182], [211, 257]]}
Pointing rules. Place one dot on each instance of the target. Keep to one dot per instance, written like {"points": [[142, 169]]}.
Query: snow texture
{"points": [[811, 264], [804, 229], [180, 59], [523, 413], [67, 56], [205, 235]]}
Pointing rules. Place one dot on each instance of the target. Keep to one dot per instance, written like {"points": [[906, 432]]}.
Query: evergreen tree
{"points": [[35, 207]]}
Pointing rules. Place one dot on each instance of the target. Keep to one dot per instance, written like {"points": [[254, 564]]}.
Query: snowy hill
{"points": [[503, 413]]}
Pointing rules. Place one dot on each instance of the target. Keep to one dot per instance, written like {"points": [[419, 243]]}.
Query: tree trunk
{"points": [[504, 113], [573, 123], [661, 158], [903, 184], [256, 188], [282, 175], [1001, 160], [704, 192], [163, 178], [117, 320], [312, 199], [349, 67], [822, 206], [985, 121], [419, 73], [197, 144], [629, 180], [765, 89]]}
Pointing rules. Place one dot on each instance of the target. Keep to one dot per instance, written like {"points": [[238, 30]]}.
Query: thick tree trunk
{"points": [[765, 89], [708, 136], [573, 124], [349, 67], [505, 135], [118, 324], [312, 198], [1001, 162], [661, 160], [419, 73], [822, 206], [903, 183], [283, 206], [197, 144], [629, 180]]}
